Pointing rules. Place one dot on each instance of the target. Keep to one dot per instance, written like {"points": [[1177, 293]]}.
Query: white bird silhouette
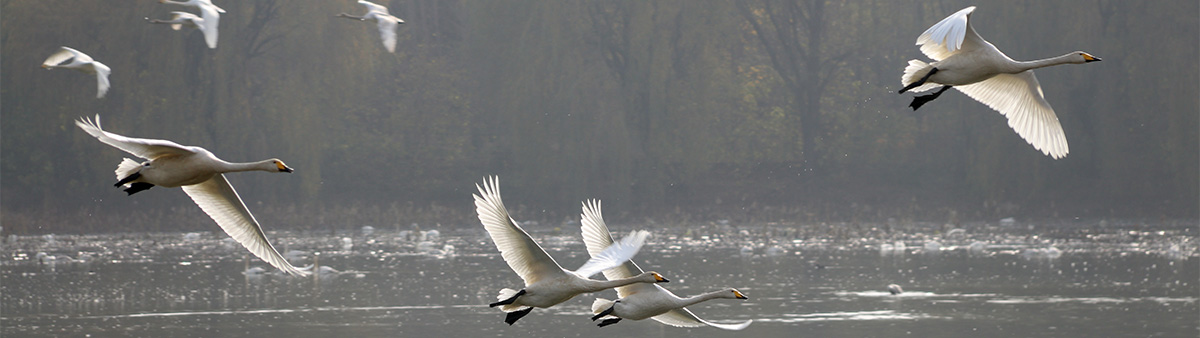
{"points": [[967, 62], [546, 282], [210, 15], [386, 22], [202, 177], [641, 301], [66, 57]]}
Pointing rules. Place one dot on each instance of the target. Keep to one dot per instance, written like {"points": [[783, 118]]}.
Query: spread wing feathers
{"points": [[218, 199], [127, 167], [212, 18], [915, 71], [596, 238], [140, 147], [615, 255], [63, 54], [387, 31], [682, 317], [522, 254], [1019, 98], [372, 7], [950, 35], [102, 84]]}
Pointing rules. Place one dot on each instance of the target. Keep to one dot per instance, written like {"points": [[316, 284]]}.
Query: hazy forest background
{"points": [[681, 111]]}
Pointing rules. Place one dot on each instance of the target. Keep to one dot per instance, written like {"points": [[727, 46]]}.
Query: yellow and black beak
{"points": [[1089, 58], [739, 295], [660, 279], [283, 167]]}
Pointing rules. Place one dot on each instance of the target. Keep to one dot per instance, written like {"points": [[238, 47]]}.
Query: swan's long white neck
{"points": [[264, 165], [597, 285], [1054, 61], [688, 301]]}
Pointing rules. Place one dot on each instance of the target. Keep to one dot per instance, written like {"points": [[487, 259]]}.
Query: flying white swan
{"points": [[386, 22], [181, 19], [546, 282], [81, 62], [641, 301], [210, 15], [967, 62], [201, 175]]}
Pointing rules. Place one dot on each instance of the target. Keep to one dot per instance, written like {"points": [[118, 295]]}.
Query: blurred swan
{"points": [[641, 301], [202, 176], [386, 22], [210, 17], [894, 289], [967, 62], [184, 19], [546, 282], [68, 58]]}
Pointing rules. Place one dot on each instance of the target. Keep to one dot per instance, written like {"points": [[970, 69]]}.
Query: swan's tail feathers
{"points": [[507, 297], [915, 71], [601, 304], [127, 169]]}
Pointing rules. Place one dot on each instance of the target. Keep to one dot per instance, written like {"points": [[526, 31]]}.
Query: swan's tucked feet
{"points": [[919, 101], [136, 187], [510, 300], [128, 179], [919, 82], [603, 313], [608, 322], [512, 317]]}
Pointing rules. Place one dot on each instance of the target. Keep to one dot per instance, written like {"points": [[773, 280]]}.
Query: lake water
{"points": [[1084, 279]]}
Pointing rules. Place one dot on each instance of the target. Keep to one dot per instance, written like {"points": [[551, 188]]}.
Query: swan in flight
{"points": [[202, 177], [180, 19], [69, 58], [641, 301], [386, 22], [546, 282], [967, 62], [210, 16]]}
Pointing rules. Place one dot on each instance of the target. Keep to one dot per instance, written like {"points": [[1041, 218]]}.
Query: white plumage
{"points": [[69, 58], [384, 21]]}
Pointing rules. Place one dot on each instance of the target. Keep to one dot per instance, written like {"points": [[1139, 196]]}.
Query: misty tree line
{"points": [[650, 106]]}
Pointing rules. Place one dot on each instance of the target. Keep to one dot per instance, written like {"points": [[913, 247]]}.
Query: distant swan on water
{"points": [[641, 301], [202, 176], [68, 58], [967, 62], [546, 282]]}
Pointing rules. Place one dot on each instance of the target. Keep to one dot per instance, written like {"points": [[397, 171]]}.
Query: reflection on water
{"points": [[983, 281]]}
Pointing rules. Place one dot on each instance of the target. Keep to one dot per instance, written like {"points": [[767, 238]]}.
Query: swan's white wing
{"points": [[596, 238], [950, 35], [102, 84], [140, 147], [372, 7], [682, 317], [1019, 97], [63, 54], [387, 31], [218, 199], [522, 254], [615, 255], [212, 18], [209, 2]]}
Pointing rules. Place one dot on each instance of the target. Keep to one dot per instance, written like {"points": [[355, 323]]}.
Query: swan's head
{"points": [[657, 278], [1087, 57], [280, 166], [736, 294]]}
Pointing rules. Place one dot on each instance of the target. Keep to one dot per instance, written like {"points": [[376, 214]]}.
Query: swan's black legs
{"points": [[608, 322], [510, 300], [919, 82], [512, 317], [136, 187], [128, 179], [919, 101], [603, 313]]}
